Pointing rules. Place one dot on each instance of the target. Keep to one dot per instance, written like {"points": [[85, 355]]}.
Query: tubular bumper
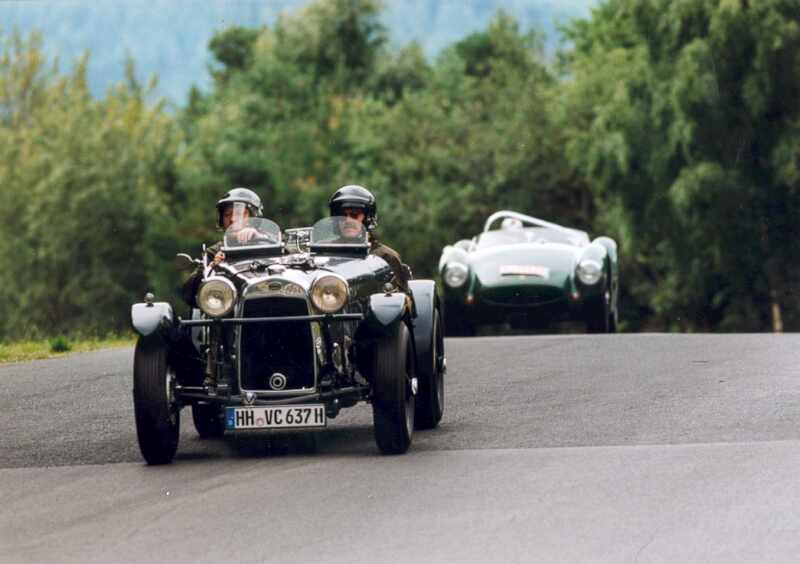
{"points": [[351, 392], [248, 320]]}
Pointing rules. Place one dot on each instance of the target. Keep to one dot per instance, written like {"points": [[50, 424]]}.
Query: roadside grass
{"points": [[22, 351]]}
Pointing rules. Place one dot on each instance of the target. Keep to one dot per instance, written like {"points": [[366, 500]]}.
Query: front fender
{"points": [[384, 314], [610, 246], [148, 318], [595, 251], [452, 253]]}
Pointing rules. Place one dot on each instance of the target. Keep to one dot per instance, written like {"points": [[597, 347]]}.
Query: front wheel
{"points": [[597, 313], [613, 319], [393, 397], [156, 411]]}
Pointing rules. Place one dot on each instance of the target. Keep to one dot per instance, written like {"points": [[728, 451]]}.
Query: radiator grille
{"points": [[283, 347]]}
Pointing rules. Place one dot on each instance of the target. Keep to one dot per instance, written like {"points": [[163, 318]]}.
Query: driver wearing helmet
{"points": [[357, 206], [233, 209]]}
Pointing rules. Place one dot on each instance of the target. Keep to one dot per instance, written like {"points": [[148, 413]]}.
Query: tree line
{"points": [[673, 127]]}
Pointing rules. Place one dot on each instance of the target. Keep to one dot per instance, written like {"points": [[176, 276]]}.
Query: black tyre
{"points": [[430, 396], [613, 317], [156, 411], [597, 313], [392, 398], [208, 420]]}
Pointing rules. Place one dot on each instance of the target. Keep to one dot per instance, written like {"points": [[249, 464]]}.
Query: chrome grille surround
{"points": [[256, 364]]}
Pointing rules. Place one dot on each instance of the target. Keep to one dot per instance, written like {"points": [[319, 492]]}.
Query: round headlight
{"points": [[589, 271], [455, 274], [216, 297], [329, 293]]}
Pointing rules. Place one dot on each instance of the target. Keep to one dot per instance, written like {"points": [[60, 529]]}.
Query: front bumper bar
{"points": [[354, 392], [249, 320]]}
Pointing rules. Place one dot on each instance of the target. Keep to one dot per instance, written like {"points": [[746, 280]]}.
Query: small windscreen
{"points": [[548, 235], [338, 230], [501, 237], [252, 232], [530, 235]]}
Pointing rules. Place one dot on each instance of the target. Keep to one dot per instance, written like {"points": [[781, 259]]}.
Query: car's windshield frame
{"points": [[270, 244]]}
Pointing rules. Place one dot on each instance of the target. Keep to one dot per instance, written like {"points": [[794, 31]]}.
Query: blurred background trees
{"points": [[84, 185], [670, 126], [685, 124]]}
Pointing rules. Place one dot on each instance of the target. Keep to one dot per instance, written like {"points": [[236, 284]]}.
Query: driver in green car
{"points": [[357, 206]]}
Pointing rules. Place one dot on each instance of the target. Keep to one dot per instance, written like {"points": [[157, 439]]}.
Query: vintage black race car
{"points": [[287, 333], [528, 272]]}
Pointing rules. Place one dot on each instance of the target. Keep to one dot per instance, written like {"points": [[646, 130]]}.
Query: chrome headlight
{"points": [[216, 297], [455, 274], [329, 293], [589, 271]]}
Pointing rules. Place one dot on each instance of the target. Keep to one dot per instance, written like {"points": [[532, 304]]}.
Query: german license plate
{"points": [[275, 417]]}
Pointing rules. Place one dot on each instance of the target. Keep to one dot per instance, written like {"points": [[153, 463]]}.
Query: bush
{"points": [[59, 344]]}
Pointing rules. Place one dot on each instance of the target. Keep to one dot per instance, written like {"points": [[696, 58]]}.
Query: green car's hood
{"points": [[558, 259]]}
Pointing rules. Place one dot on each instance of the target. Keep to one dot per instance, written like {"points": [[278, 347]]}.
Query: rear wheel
{"points": [[393, 399], [156, 411], [208, 420], [430, 398]]}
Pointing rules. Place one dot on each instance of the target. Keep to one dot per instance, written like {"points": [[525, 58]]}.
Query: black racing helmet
{"points": [[355, 197], [243, 195]]}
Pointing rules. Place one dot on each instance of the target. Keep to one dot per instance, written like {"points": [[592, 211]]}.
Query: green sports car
{"points": [[528, 272]]}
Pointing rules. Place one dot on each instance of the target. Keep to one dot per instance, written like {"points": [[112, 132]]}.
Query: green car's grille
{"points": [[521, 295]]}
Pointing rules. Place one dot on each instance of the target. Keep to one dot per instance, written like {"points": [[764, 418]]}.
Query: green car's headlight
{"points": [[455, 274], [329, 293], [216, 297], [589, 271]]}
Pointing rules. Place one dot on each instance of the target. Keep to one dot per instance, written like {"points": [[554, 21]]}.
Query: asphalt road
{"points": [[621, 448]]}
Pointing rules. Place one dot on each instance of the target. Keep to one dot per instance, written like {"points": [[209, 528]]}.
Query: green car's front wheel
{"points": [[597, 313], [613, 317]]}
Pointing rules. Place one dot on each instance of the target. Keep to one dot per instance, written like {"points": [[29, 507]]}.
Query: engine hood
{"points": [[364, 275], [537, 264]]}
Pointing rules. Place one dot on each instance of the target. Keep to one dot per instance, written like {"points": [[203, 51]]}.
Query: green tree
{"points": [[233, 49], [275, 123], [83, 183], [477, 138], [683, 117]]}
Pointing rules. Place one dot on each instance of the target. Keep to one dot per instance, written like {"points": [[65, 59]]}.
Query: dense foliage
{"points": [[83, 184], [673, 127], [685, 121]]}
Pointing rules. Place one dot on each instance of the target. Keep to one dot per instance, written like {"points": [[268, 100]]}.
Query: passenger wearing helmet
{"points": [[357, 206], [233, 209]]}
